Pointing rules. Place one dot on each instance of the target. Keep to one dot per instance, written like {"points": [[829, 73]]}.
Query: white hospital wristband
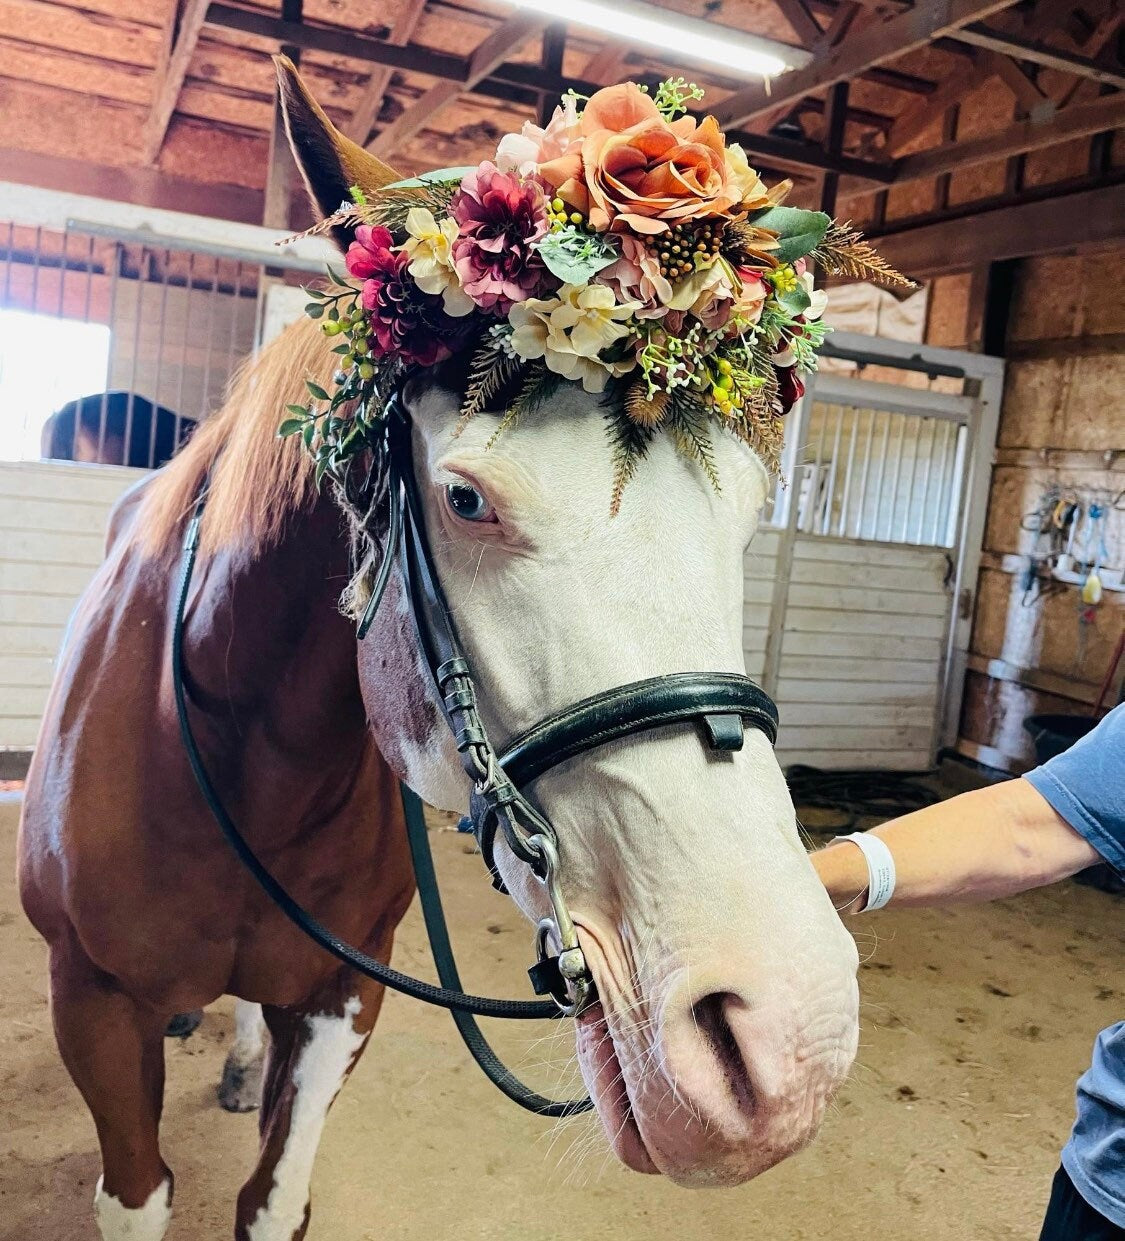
{"points": [[880, 868]]}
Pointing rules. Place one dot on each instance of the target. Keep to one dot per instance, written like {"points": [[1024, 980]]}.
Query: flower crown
{"points": [[626, 247]]}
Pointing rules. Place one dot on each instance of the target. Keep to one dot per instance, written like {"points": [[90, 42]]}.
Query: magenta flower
{"points": [[370, 253], [498, 217]]}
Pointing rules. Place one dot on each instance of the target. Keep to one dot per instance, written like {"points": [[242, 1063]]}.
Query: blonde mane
{"points": [[257, 479]]}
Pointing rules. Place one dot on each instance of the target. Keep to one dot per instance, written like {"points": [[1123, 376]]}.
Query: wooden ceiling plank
{"points": [[1077, 121], [919, 116], [487, 57], [363, 119], [607, 65], [170, 77], [872, 46], [1040, 54]]}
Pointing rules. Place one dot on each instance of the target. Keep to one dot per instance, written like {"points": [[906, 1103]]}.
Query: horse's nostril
{"points": [[712, 1020]]}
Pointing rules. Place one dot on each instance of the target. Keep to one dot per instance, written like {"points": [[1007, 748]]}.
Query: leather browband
{"points": [[722, 701]]}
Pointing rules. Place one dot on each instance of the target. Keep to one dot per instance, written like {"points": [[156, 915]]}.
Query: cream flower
{"points": [[818, 299], [750, 185], [430, 247], [569, 332]]}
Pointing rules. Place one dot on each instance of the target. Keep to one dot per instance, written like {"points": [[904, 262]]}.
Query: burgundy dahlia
{"points": [[790, 389], [498, 216], [406, 322]]}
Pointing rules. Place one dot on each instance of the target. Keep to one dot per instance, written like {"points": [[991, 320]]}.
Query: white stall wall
{"points": [[53, 519]]}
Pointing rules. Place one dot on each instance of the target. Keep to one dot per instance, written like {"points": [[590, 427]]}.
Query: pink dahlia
{"points": [[498, 217], [406, 322]]}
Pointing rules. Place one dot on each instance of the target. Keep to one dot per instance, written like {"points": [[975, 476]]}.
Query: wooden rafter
{"points": [[1027, 92], [884, 41], [917, 117], [170, 76], [805, 26], [488, 56], [1078, 121], [1092, 217], [363, 118], [1040, 54]]}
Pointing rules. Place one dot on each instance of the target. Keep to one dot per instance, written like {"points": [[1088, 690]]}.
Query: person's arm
{"points": [[992, 842]]}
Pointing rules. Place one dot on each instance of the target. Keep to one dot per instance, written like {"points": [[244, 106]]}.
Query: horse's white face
{"points": [[728, 1013]]}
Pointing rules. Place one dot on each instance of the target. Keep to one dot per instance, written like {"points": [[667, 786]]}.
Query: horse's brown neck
{"points": [[272, 662]]}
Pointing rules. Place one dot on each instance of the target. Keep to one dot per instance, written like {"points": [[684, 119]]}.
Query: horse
{"points": [[727, 1009], [114, 428]]}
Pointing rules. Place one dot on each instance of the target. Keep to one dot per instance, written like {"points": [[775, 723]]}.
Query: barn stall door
{"points": [[854, 595], [156, 306]]}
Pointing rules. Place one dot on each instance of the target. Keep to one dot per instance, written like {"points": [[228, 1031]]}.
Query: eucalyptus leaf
{"points": [[314, 310], [298, 411], [317, 390], [291, 426], [799, 231], [573, 257], [795, 302]]}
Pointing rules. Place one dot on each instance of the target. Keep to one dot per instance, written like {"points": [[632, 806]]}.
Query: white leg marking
{"points": [[240, 1089], [317, 1078], [117, 1222], [249, 1033]]}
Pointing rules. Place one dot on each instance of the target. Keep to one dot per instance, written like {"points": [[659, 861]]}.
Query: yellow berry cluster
{"points": [[560, 216], [723, 393], [783, 279]]}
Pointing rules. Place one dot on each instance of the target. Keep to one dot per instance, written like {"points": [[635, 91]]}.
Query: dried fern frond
{"points": [[843, 252], [647, 411], [492, 367], [689, 423], [386, 209], [629, 442], [539, 384]]}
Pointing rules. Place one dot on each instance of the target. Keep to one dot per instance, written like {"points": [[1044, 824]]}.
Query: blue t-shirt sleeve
{"points": [[1086, 785]]}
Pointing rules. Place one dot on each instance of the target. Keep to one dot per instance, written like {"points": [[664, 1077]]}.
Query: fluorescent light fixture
{"points": [[689, 38]]}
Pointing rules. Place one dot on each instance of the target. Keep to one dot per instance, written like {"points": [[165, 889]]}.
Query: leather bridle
{"points": [[718, 705]]}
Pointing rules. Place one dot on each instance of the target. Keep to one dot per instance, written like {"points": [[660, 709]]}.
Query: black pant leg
{"points": [[1071, 1218]]}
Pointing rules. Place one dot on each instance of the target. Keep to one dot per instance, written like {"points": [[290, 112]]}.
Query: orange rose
{"points": [[633, 169]]}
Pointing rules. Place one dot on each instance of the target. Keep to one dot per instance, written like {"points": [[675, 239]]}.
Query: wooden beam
{"points": [[338, 42], [606, 66], [1040, 54], [1077, 121], [1019, 82], [551, 62], [170, 77], [146, 187], [835, 119], [363, 118], [281, 168], [805, 26], [870, 47], [488, 56], [1089, 218]]}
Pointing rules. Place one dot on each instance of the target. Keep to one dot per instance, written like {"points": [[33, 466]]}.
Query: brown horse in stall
{"points": [[727, 1014]]}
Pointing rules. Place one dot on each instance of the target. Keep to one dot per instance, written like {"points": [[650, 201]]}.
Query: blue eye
{"points": [[467, 502]]}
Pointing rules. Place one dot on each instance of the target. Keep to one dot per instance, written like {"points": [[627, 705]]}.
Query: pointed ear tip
{"points": [[287, 74]]}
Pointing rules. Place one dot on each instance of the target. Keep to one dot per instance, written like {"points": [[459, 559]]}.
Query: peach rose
{"points": [[638, 171]]}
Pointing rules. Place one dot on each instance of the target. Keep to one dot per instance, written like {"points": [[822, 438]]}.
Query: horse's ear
{"points": [[329, 162]]}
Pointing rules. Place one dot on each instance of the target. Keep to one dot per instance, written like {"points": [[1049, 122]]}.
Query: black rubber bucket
{"points": [[1052, 734]]}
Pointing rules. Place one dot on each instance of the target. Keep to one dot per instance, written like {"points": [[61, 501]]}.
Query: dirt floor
{"points": [[975, 1025]]}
